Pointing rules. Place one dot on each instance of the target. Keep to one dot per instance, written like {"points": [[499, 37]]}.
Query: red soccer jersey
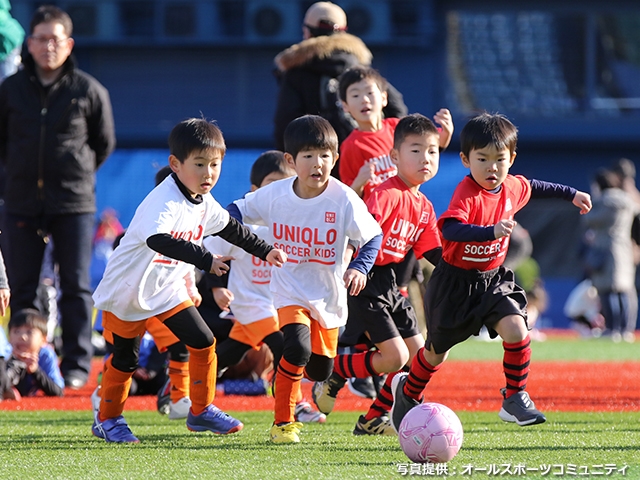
{"points": [[473, 205], [368, 147], [407, 220]]}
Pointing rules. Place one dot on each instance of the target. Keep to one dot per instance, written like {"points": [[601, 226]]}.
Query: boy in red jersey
{"points": [[470, 287], [408, 221], [364, 154]]}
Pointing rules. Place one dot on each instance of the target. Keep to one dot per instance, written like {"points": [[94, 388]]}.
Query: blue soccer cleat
{"points": [[214, 420], [113, 430]]}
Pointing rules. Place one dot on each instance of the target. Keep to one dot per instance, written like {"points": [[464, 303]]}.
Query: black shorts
{"points": [[459, 302], [380, 310]]}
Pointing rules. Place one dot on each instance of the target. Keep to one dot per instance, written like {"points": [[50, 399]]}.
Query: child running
{"points": [[144, 278], [312, 217], [470, 287], [245, 290], [380, 311]]}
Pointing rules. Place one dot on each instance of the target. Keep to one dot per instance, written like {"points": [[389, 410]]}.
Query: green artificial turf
{"points": [[54, 444]]}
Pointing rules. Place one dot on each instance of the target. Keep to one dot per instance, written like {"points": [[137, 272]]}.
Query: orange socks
{"points": [[202, 370], [288, 378], [179, 379], [114, 391]]}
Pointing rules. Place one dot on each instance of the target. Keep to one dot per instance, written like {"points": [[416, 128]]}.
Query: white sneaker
{"points": [[179, 409], [305, 413], [95, 400]]}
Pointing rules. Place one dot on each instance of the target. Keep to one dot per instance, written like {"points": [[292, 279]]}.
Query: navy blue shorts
{"points": [[459, 302]]}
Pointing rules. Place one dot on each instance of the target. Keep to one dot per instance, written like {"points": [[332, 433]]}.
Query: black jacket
{"points": [[52, 140], [299, 70]]}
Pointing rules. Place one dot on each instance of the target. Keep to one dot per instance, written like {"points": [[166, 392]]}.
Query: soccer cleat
{"points": [[287, 433], [214, 420], [519, 408], [304, 413], [113, 430], [95, 400], [179, 409], [163, 402], [401, 403], [375, 426], [362, 387], [324, 393]]}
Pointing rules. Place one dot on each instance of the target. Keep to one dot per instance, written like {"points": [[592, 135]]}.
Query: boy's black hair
{"points": [[606, 179], [310, 132], [49, 14], [267, 163], [195, 135], [488, 129], [161, 174], [29, 317], [354, 75], [413, 124]]}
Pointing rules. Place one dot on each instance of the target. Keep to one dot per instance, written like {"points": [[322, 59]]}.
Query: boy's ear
{"points": [[253, 188], [513, 158], [345, 106], [465, 160], [290, 160], [385, 98], [394, 154], [174, 163], [335, 159]]}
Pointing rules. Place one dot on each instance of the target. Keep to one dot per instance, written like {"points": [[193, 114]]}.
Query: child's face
{"points": [[313, 168], [365, 101], [200, 170], [272, 177], [25, 339], [488, 165], [417, 159]]}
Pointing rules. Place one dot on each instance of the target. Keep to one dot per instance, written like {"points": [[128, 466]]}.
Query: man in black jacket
{"points": [[56, 128], [302, 70]]}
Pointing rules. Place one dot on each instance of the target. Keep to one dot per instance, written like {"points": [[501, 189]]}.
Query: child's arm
{"points": [[237, 234], [4, 288], [541, 189], [223, 298], [355, 278], [365, 175], [47, 374], [444, 119], [192, 289]]}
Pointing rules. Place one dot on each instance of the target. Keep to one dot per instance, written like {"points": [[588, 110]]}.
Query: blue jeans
{"points": [[72, 236]]}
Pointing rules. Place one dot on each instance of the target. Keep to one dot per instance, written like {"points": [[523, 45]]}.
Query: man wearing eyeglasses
{"points": [[56, 128]]}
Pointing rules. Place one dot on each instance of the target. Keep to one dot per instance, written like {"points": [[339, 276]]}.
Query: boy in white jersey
{"points": [[313, 217], [144, 278], [245, 290]]}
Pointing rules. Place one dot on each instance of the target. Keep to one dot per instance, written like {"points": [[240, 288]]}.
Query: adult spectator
{"points": [[11, 37], [56, 129], [305, 71]]}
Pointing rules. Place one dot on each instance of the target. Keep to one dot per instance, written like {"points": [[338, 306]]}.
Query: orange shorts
{"points": [[324, 341], [154, 325], [254, 333]]}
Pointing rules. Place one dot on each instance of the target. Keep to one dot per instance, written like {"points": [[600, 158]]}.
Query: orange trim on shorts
{"points": [[253, 333], [324, 341], [178, 308], [113, 324]]}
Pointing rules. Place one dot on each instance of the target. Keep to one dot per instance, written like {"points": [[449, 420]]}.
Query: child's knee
{"points": [[319, 367], [395, 360]]}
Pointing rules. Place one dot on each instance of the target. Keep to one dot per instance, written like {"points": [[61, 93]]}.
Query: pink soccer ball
{"points": [[430, 432]]}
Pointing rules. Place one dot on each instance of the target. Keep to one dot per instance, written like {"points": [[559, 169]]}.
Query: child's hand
{"points": [[444, 119], [582, 200], [365, 175], [277, 257], [218, 267], [4, 300], [196, 298], [504, 228], [354, 281], [223, 297], [30, 360]]}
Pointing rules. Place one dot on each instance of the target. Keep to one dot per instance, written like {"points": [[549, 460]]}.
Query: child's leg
{"points": [[517, 352], [190, 328], [424, 365], [178, 371], [230, 352], [296, 354], [384, 400]]}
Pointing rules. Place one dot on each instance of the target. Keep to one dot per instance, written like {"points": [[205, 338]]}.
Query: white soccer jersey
{"points": [[138, 282], [314, 233], [248, 279]]}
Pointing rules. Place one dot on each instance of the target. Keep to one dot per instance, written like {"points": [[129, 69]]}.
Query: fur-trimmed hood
{"points": [[322, 48]]}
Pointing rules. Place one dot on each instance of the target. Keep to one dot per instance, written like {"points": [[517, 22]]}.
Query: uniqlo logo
{"points": [[424, 218], [329, 217]]}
